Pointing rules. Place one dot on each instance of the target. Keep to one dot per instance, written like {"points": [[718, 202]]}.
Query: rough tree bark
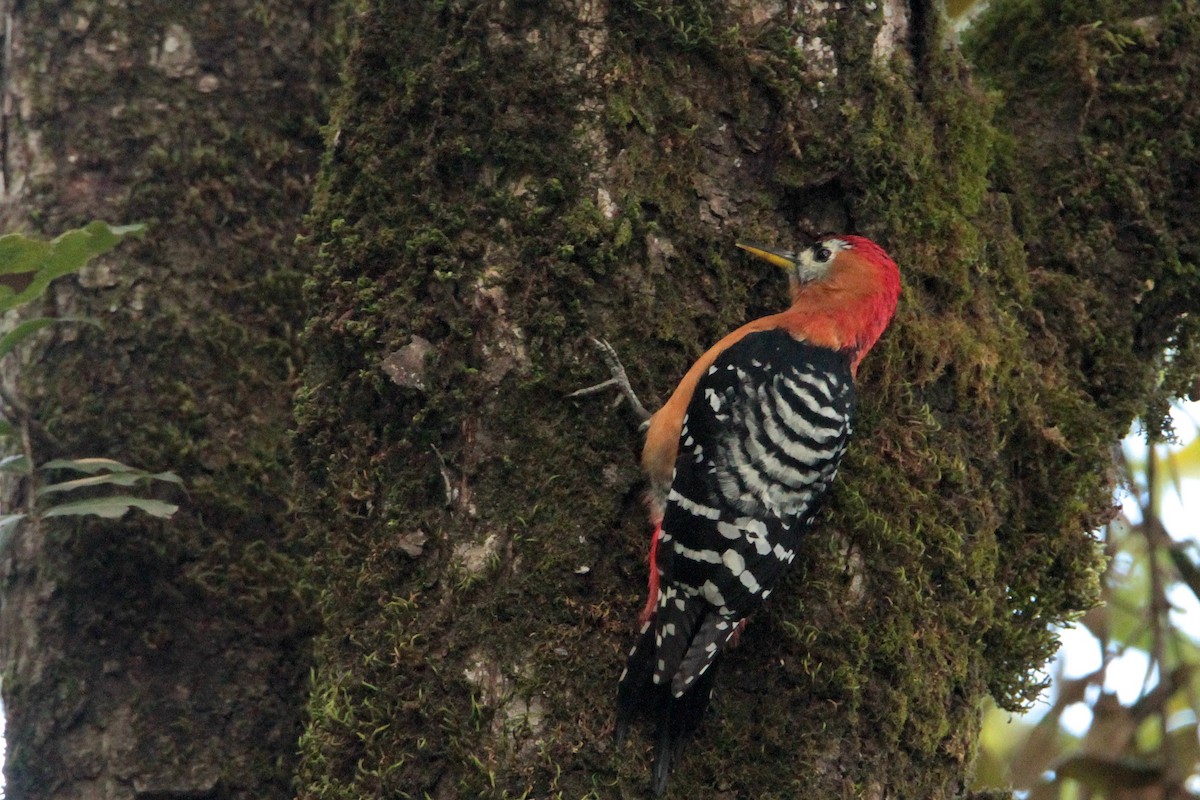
{"points": [[164, 660], [502, 180], [507, 179]]}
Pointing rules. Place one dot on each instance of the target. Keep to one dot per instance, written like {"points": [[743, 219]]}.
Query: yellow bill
{"points": [[776, 257]]}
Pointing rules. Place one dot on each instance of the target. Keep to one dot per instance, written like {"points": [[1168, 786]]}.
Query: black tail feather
{"points": [[678, 724], [664, 754], [637, 692], [676, 718]]}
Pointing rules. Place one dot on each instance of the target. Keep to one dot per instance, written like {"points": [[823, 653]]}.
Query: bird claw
{"points": [[619, 381]]}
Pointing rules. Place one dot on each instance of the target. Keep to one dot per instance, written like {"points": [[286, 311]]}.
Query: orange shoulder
{"points": [[662, 438]]}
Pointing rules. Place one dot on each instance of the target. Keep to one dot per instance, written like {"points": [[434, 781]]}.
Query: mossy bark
{"points": [[1103, 104], [145, 659], [502, 180], [506, 180]]}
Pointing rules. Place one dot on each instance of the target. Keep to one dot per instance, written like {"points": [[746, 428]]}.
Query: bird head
{"points": [[844, 289]]}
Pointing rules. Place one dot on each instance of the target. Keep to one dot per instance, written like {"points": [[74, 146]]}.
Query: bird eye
{"points": [[822, 254]]}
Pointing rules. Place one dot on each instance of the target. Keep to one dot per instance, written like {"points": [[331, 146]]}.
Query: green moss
{"points": [[959, 529], [1117, 265], [690, 25], [192, 372]]}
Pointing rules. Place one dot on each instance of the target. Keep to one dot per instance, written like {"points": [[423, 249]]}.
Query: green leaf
{"points": [[6, 428], [19, 253], [1187, 459], [8, 524], [45, 261], [113, 478], [89, 465], [18, 465], [31, 326], [9, 520], [112, 507]]}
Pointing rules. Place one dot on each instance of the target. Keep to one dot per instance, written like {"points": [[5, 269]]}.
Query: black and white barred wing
{"points": [[761, 442]]}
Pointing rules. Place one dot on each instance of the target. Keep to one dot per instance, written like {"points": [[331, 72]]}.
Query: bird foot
{"points": [[618, 381]]}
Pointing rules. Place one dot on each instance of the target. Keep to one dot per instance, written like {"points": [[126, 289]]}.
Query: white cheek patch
{"points": [[809, 269]]}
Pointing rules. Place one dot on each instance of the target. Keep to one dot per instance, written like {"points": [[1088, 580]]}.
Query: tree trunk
{"points": [[1108, 142], [141, 659], [508, 179], [504, 180]]}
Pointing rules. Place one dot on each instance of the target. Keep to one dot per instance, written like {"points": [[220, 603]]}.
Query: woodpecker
{"points": [[739, 459]]}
